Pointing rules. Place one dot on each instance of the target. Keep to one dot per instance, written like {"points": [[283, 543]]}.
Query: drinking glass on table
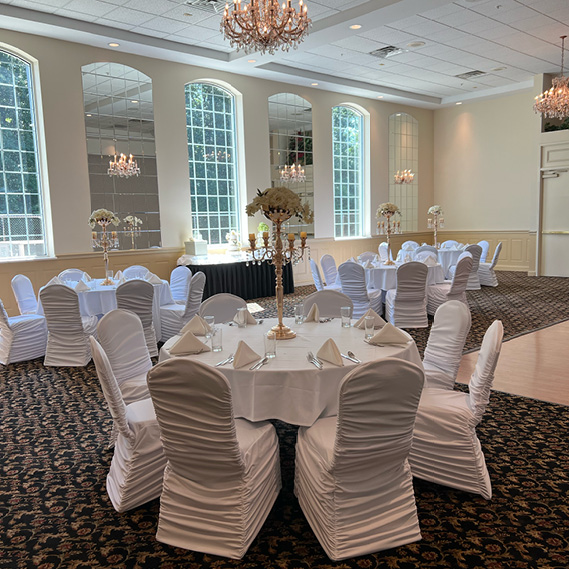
{"points": [[346, 313], [369, 326], [210, 321], [242, 317], [216, 343], [298, 313], [270, 345]]}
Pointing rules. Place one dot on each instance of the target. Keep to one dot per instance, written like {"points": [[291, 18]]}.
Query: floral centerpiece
{"points": [[280, 200], [435, 210], [132, 220], [132, 226], [388, 210], [436, 222], [234, 241], [104, 218]]}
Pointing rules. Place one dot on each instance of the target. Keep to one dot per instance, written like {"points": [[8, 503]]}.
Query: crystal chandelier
{"points": [[123, 167], [293, 173], [264, 25], [404, 177], [554, 103]]}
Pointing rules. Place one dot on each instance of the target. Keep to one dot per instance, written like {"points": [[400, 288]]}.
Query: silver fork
{"points": [[227, 360], [313, 359]]}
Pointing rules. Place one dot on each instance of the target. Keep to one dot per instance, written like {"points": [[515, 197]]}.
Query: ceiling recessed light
{"points": [[459, 103], [89, 115], [134, 101], [114, 44], [499, 68], [355, 27], [251, 61], [314, 84], [416, 44], [380, 96]]}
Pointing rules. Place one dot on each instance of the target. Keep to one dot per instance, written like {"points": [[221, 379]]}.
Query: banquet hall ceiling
{"points": [[506, 42]]}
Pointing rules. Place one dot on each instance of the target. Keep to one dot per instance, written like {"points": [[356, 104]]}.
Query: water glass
{"points": [[298, 313], [270, 345], [346, 312], [369, 326], [210, 321], [242, 317], [110, 274], [216, 343]]}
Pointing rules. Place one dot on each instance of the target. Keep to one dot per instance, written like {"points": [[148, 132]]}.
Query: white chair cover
{"points": [[68, 331], [486, 271], [451, 290], [352, 277], [222, 306], [137, 296], [430, 248], [329, 303], [406, 306], [366, 256], [446, 342], [136, 272], [485, 246], [316, 276], [445, 447], [122, 338], [409, 245], [422, 256], [223, 474], [449, 244], [352, 477], [138, 463], [22, 337], [24, 294], [473, 279], [180, 283], [74, 275], [329, 269], [382, 250], [173, 317]]}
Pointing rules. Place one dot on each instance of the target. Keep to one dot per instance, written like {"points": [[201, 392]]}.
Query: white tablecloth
{"points": [[448, 258], [289, 387], [384, 277]]}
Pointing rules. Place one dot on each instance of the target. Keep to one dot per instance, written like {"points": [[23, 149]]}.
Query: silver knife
{"points": [[225, 361], [258, 364], [351, 359]]}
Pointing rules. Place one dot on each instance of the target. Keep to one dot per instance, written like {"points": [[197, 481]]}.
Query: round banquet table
{"points": [[384, 277], [448, 258], [289, 387]]}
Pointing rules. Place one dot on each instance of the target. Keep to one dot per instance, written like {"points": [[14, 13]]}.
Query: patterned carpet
{"points": [[56, 514]]}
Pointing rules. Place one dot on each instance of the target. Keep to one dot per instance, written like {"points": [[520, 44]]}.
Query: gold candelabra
{"points": [[278, 256], [436, 222], [133, 230], [106, 243], [388, 228]]}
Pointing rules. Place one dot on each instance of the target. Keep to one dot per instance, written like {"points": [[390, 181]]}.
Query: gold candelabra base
{"points": [[283, 332]]}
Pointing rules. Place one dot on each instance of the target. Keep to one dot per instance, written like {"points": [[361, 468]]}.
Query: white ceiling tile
{"points": [[87, 8], [156, 7], [164, 25], [358, 43], [125, 16]]}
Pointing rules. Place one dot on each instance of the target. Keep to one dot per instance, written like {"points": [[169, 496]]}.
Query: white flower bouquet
{"points": [[280, 200], [103, 217], [435, 210], [386, 209], [232, 237], [132, 220]]}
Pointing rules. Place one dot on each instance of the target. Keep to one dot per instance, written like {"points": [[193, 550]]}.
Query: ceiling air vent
{"points": [[470, 74], [213, 6], [387, 51]]}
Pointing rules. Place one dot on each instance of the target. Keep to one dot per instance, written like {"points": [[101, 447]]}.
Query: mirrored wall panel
{"points": [[119, 119], [404, 155], [290, 131]]}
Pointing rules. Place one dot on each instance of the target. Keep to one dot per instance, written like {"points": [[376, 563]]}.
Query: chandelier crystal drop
{"points": [[554, 103], [264, 25], [293, 173], [124, 167], [403, 177]]}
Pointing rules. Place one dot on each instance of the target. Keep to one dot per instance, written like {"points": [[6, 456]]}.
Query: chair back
{"points": [[367, 256], [25, 295], [352, 277], [411, 282], [422, 256], [496, 255], [194, 296], [376, 414], [121, 336], [135, 272], [447, 337], [73, 275], [409, 245], [382, 250], [430, 248], [137, 296], [60, 305], [483, 375], [476, 252], [5, 328], [329, 303], [222, 306], [449, 244], [460, 278], [316, 275], [195, 412], [485, 246], [329, 269], [180, 283]]}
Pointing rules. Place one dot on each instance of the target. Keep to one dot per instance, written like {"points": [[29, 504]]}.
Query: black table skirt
{"points": [[254, 281]]}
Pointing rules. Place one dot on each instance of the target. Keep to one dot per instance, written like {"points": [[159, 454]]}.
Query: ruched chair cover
{"points": [[446, 343], [486, 272], [473, 278], [121, 336], [22, 337], [138, 463], [382, 251], [317, 278], [136, 272], [485, 247], [445, 447], [67, 330], [222, 306], [329, 303], [367, 256], [24, 294], [449, 244], [329, 269], [451, 290], [352, 476], [223, 474], [429, 248], [352, 277], [137, 296], [173, 317], [179, 284], [406, 305], [409, 245], [74, 275], [422, 256]]}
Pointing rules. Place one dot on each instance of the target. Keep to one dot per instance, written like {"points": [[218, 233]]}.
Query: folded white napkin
{"points": [[389, 334], [329, 352], [408, 247], [244, 355], [377, 259], [379, 321], [118, 276], [408, 258], [430, 261], [81, 286], [188, 344], [368, 265], [55, 280], [153, 279], [313, 314], [122, 280], [244, 317], [197, 326]]}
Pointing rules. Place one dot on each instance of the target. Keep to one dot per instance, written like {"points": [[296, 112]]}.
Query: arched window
{"points": [[347, 137], [210, 121], [22, 225]]}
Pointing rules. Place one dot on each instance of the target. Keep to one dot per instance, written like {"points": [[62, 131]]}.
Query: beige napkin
{"points": [[313, 314], [329, 352], [81, 286], [118, 276], [55, 280], [122, 280], [244, 315], [368, 265], [244, 355], [408, 258], [197, 326], [153, 279], [430, 261], [188, 344], [389, 334], [379, 321]]}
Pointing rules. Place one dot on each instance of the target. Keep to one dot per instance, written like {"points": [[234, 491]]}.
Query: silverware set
{"points": [[351, 356], [322, 320], [260, 363], [228, 360], [314, 360]]}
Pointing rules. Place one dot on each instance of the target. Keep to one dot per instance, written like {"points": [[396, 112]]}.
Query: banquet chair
{"points": [[353, 280], [409, 245], [449, 244], [382, 251], [329, 303], [317, 277], [222, 475], [67, 330], [24, 293], [446, 343], [366, 256], [485, 247], [74, 275], [454, 289], [486, 271], [406, 305], [22, 337], [137, 467], [473, 278], [179, 283], [445, 447], [173, 317], [329, 269], [137, 296], [222, 306], [429, 248], [136, 272], [352, 477], [422, 256]]}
